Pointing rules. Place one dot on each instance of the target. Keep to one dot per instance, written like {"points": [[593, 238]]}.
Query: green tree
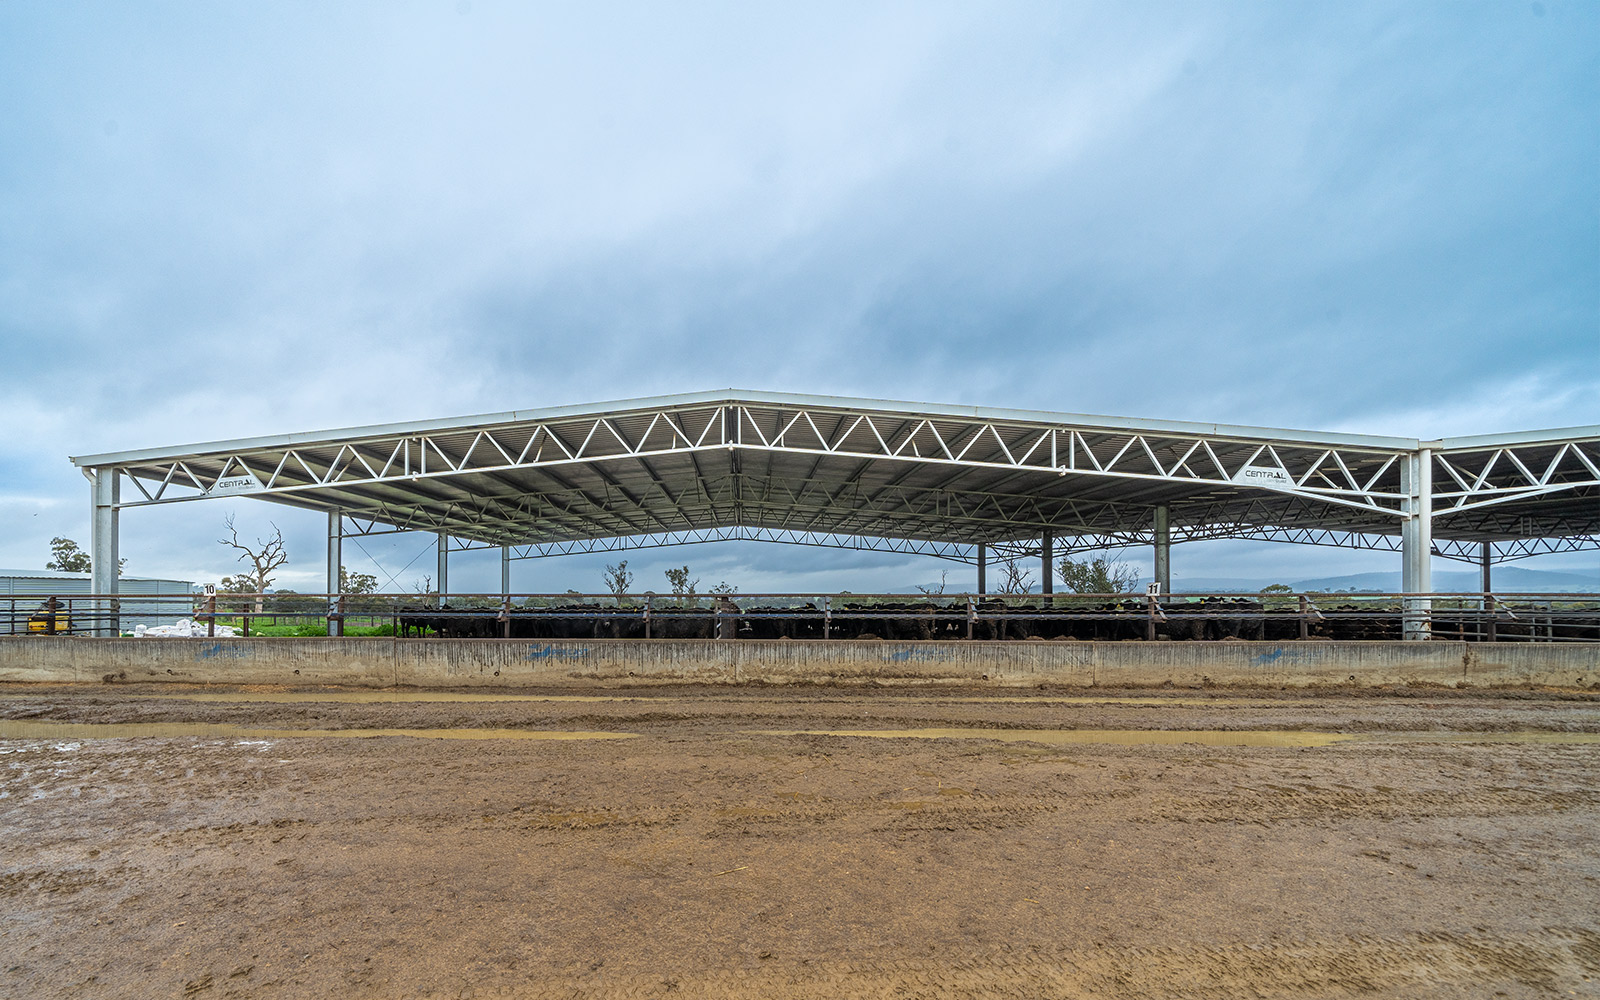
{"points": [[1097, 576], [618, 579], [287, 601], [1276, 595], [66, 557], [356, 583], [682, 586], [724, 588]]}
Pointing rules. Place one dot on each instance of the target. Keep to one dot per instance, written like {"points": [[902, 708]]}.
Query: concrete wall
{"points": [[603, 662]]}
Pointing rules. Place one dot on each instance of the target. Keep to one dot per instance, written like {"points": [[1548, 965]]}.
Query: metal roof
{"points": [[734, 463]]}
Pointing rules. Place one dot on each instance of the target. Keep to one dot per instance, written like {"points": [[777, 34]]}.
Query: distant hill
{"points": [[1509, 579], [1505, 579]]}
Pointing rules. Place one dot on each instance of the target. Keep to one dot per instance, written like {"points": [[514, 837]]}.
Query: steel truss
{"points": [[1353, 476], [899, 477], [1507, 550], [952, 551]]}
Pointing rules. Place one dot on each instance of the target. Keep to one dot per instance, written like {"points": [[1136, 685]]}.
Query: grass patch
{"points": [[311, 630]]}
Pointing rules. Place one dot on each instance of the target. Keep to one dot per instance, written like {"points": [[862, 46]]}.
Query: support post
{"points": [[444, 567], [1485, 560], [105, 492], [983, 568], [1416, 543], [1163, 545], [505, 571], [335, 563], [1047, 554]]}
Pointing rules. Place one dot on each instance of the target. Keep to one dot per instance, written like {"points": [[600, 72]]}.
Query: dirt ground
{"points": [[1449, 849]]}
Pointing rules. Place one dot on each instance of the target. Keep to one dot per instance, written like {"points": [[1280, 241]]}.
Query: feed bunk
{"points": [[1212, 618]]}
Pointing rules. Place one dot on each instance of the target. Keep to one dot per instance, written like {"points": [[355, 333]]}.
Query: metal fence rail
{"points": [[1279, 616]]}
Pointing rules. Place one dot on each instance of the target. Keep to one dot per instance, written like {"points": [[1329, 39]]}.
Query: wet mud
{"points": [[1364, 846]]}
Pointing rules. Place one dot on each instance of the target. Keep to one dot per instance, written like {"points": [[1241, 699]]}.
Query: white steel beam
{"points": [[444, 566], [1163, 548], [1416, 534], [335, 565], [104, 493]]}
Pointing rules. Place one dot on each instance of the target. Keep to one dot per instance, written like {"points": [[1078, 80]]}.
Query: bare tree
{"points": [[934, 589], [264, 558], [1014, 579]]}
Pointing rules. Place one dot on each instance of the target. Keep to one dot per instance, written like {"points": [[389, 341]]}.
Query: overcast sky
{"points": [[220, 220]]}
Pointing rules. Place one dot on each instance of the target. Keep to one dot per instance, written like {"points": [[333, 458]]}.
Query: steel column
{"points": [[505, 571], [983, 568], [1047, 554], [1486, 555], [105, 491], [1163, 546], [1416, 541], [335, 567], [1486, 603], [444, 567]]}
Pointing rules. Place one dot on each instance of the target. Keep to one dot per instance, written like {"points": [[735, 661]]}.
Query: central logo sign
{"points": [[234, 485], [1261, 475]]}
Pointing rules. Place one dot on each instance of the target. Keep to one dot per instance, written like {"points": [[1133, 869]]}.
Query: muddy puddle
{"points": [[1146, 702], [1126, 737], [1202, 737], [1520, 737], [370, 697], [390, 697], [35, 730]]}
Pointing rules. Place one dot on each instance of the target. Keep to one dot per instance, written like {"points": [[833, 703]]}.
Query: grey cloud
{"points": [[228, 221]]}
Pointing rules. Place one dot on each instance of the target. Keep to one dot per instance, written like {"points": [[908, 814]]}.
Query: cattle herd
{"points": [[1214, 618]]}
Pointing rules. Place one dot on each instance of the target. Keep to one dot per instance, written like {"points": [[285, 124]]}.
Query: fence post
{"points": [[1150, 618], [647, 603], [341, 606], [827, 618], [972, 615], [1304, 629], [211, 615]]}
